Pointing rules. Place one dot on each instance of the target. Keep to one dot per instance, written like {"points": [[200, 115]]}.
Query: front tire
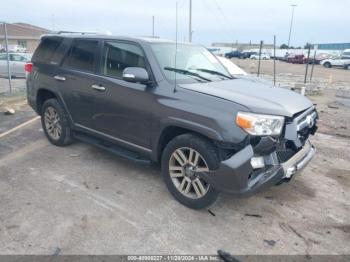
{"points": [[55, 123], [182, 158]]}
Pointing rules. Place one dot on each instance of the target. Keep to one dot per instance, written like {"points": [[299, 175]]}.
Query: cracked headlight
{"points": [[260, 125]]}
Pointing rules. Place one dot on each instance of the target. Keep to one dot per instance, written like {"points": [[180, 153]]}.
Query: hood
{"points": [[256, 96], [254, 79]]}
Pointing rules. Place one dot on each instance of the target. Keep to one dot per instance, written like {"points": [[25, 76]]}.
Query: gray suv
{"points": [[172, 103]]}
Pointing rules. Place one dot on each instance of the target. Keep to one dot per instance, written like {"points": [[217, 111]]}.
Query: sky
{"points": [[315, 21]]}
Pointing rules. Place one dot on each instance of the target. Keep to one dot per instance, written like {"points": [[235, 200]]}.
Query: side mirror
{"points": [[136, 75]]}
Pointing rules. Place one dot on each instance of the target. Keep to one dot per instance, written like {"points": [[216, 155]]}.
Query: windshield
{"points": [[193, 63]]}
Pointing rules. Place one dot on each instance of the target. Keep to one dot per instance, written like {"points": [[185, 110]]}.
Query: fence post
{"points": [[307, 62], [261, 44], [313, 62], [8, 57], [274, 60]]}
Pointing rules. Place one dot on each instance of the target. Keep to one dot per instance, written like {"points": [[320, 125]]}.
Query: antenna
{"points": [[190, 23], [175, 48]]}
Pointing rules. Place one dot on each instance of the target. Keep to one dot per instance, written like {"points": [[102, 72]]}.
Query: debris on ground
{"points": [[57, 251], [211, 213], [227, 257], [9, 111], [270, 242], [333, 105], [253, 215], [74, 155]]}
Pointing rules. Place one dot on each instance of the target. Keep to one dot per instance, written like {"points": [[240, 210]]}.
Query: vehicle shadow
{"points": [[294, 191]]}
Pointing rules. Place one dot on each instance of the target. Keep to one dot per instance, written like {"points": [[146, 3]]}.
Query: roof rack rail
{"points": [[76, 32]]}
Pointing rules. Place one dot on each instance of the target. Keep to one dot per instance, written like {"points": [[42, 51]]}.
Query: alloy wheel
{"points": [[52, 123], [184, 165]]}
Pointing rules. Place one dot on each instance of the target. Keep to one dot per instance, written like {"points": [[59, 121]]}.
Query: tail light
{"points": [[28, 67]]}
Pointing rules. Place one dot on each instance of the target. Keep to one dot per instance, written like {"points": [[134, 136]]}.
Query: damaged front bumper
{"points": [[236, 175]]}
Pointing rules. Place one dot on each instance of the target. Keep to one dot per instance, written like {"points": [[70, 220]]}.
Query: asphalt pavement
{"points": [[82, 200]]}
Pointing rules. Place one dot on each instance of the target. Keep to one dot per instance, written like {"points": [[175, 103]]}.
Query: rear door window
{"points": [[82, 55], [49, 50], [118, 56]]}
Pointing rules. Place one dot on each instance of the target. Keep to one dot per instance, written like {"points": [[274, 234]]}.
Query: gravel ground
{"points": [[289, 74]]}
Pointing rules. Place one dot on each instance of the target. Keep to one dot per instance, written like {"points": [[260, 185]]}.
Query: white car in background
{"points": [[263, 56], [342, 61], [17, 62]]}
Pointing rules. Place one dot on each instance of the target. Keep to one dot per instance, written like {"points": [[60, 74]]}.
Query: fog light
{"points": [[257, 162]]}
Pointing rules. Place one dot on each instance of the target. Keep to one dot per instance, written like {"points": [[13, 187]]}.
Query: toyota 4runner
{"points": [[172, 103]]}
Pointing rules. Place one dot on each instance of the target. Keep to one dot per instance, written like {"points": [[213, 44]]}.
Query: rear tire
{"points": [[55, 123], [196, 154]]}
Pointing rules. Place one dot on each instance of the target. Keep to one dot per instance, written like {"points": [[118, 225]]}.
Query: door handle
{"points": [[59, 78], [99, 88]]}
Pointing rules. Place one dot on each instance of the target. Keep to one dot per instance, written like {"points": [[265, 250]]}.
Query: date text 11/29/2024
{"points": [[173, 258]]}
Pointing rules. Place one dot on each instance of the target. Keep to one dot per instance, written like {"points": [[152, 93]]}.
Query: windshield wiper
{"points": [[213, 72], [186, 72]]}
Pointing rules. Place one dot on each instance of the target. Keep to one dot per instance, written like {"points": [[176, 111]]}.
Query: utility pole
{"points": [[152, 26], [8, 56], [190, 24], [291, 23]]}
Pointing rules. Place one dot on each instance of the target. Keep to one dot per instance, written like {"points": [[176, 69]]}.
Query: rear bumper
{"points": [[237, 176]]}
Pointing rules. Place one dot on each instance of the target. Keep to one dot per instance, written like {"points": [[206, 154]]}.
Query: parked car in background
{"points": [[15, 49], [319, 57], [336, 62], [346, 54], [233, 54], [247, 54], [296, 59], [175, 104], [17, 62], [264, 56]]}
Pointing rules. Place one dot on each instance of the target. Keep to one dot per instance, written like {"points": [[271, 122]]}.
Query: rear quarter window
{"points": [[49, 51], [82, 55]]}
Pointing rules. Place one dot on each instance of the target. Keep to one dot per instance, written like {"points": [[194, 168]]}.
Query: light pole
{"points": [[291, 23], [8, 55], [190, 23]]}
